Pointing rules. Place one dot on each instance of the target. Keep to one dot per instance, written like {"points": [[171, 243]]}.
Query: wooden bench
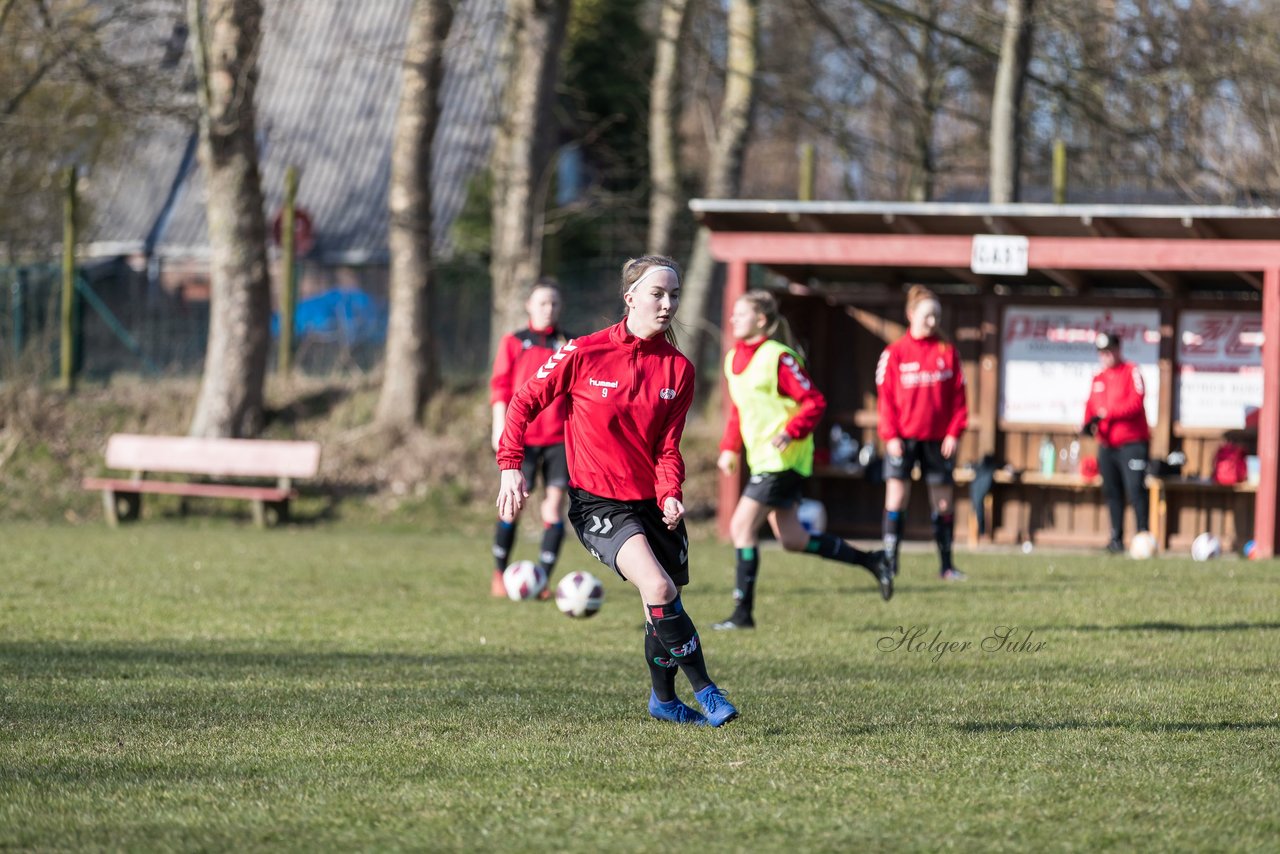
{"points": [[221, 459]]}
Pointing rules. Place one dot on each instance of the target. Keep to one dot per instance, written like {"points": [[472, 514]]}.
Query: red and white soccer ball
{"points": [[579, 594], [524, 579]]}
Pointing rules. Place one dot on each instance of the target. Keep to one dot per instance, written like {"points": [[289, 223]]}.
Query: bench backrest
{"points": [[226, 457]]}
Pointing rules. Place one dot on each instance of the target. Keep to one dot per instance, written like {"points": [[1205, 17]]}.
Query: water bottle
{"points": [[1073, 457], [1048, 456]]}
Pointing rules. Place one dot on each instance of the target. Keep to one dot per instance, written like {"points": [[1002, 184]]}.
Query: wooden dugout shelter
{"points": [[848, 263]]}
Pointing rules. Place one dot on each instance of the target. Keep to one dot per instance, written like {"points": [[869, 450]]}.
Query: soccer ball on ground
{"points": [[524, 579], [579, 594], [1142, 546], [812, 515], [1206, 547]]}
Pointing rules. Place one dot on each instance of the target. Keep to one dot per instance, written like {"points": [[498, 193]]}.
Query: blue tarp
{"points": [[346, 315]]}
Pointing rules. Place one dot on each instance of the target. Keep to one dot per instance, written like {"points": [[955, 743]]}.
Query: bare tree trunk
{"points": [[1006, 102], [226, 36], [924, 169], [409, 371], [664, 168], [724, 170], [522, 149]]}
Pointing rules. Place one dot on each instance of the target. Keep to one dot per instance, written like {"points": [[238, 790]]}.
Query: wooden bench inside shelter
{"points": [[213, 468]]}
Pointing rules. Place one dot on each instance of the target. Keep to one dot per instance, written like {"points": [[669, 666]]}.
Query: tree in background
{"points": [[1007, 125], [75, 77], [724, 165], [409, 371], [225, 38], [664, 116], [522, 156]]}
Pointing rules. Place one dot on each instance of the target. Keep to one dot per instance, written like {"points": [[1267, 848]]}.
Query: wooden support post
{"points": [[1162, 436], [989, 377], [68, 349], [1266, 505], [735, 285], [288, 271]]}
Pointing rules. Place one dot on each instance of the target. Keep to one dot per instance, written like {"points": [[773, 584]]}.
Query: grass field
{"points": [[209, 686]]}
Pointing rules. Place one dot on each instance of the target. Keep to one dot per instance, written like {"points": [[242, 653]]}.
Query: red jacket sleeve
{"points": [[959, 404], [502, 381], [549, 382], [1091, 405], [886, 396], [669, 470], [731, 439], [796, 384]]}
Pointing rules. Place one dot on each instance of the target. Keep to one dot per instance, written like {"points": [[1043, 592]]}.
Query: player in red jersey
{"points": [[1117, 415], [628, 390], [922, 414], [519, 356]]}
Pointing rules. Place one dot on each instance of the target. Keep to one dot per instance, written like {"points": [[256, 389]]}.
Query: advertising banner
{"points": [[1049, 359], [1219, 358]]}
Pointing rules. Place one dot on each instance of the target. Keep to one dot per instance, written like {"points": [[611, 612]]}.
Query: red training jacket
{"points": [[921, 390], [793, 382], [519, 356], [628, 398], [1119, 392]]}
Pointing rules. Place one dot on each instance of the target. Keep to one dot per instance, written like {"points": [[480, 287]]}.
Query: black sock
{"points": [[504, 537], [744, 593], [552, 537], [892, 529], [680, 637], [662, 667], [834, 548], [944, 526]]}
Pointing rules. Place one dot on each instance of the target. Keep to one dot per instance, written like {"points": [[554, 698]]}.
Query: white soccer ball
{"points": [[1142, 546], [579, 594], [1206, 547], [524, 579], [812, 515]]}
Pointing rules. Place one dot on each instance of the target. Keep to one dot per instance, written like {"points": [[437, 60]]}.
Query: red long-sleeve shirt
{"points": [[921, 390], [627, 399], [1118, 391], [793, 382], [519, 356]]}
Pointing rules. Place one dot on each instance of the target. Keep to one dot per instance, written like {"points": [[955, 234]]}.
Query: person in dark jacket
{"points": [[1116, 415], [629, 390]]}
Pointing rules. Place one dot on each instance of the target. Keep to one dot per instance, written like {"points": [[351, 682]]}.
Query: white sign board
{"points": [[1219, 359], [998, 255], [1049, 359]]}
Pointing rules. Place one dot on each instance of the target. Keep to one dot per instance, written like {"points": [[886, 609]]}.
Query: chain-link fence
{"points": [[127, 323]]}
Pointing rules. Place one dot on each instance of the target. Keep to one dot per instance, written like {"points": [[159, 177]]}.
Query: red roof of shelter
{"points": [[1155, 225]]}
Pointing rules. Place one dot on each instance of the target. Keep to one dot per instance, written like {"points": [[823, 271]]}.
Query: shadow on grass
{"points": [[1164, 626], [1138, 726]]}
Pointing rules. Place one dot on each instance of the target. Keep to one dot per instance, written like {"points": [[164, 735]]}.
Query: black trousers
{"points": [[1124, 470]]}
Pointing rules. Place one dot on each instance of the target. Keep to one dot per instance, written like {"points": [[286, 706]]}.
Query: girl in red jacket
{"points": [[774, 408], [922, 414], [629, 390], [1116, 413], [519, 356]]}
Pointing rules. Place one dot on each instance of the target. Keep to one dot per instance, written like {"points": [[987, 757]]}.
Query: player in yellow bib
{"points": [[775, 408]]}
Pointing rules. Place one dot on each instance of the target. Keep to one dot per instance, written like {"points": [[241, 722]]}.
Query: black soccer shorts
{"points": [[936, 469], [548, 459], [604, 524]]}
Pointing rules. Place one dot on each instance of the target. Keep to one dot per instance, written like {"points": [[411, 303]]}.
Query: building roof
{"points": [[950, 220], [327, 97]]}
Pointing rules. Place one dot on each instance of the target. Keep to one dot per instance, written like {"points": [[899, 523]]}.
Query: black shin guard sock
{"points": [[552, 537], [744, 593], [662, 667], [504, 537], [892, 528], [832, 547], [679, 637], [944, 526]]}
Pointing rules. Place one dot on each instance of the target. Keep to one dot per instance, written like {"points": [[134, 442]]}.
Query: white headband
{"points": [[649, 272]]}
